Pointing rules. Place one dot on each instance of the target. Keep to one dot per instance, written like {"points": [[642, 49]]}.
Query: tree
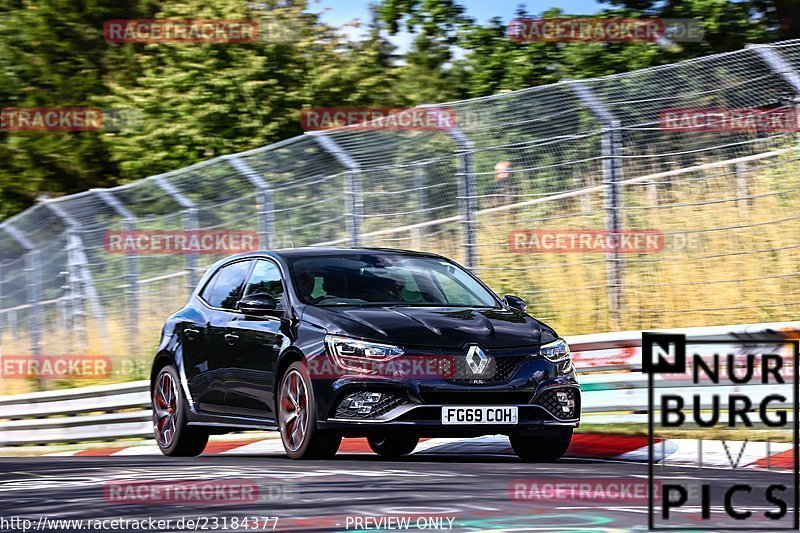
{"points": [[53, 54], [428, 74], [198, 101], [364, 75]]}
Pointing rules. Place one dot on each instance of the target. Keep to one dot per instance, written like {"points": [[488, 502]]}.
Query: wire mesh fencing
{"points": [[583, 197]]}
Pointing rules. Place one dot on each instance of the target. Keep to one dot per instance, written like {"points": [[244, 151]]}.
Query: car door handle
{"points": [[191, 333], [231, 338]]}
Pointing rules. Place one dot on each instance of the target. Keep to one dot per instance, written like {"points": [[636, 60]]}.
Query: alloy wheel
{"points": [[165, 408], [293, 410]]}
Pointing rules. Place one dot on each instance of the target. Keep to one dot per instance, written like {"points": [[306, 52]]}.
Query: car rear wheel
{"points": [[173, 435], [297, 418], [393, 445], [544, 448]]}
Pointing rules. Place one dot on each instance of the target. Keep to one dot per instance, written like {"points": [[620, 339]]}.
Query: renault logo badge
{"points": [[477, 359]]}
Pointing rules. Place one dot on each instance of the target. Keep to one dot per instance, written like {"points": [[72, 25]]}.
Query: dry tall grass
{"points": [[741, 268]]}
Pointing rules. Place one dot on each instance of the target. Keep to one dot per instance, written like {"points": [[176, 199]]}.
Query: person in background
{"points": [[504, 190]]}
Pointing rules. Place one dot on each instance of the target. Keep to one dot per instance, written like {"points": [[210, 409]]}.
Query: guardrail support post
{"points": [[468, 199], [131, 273], [34, 285], [266, 226], [611, 149], [80, 277], [354, 208], [189, 223]]}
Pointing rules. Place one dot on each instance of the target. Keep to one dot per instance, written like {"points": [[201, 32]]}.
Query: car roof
{"points": [[318, 251]]}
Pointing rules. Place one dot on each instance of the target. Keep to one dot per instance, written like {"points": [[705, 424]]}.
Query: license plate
{"points": [[501, 414]]}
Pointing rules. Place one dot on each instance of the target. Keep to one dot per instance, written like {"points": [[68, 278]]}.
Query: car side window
{"points": [[266, 279], [209, 288], [226, 287]]}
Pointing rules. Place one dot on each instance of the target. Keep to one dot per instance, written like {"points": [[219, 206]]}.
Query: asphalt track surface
{"points": [[471, 489]]}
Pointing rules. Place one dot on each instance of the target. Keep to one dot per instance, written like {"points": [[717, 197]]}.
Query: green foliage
{"points": [[493, 63], [53, 54]]}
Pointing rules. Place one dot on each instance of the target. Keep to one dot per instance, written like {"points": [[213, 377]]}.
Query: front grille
{"points": [[549, 399], [387, 402], [422, 414], [498, 370], [531, 414], [473, 397]]}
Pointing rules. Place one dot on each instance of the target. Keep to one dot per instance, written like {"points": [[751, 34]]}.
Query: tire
{"points": [[174, 436], [297, 418], [545, 448], [393, 445]]}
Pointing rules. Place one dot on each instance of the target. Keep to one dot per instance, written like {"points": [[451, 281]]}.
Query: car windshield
{"points": [[386, 279]]}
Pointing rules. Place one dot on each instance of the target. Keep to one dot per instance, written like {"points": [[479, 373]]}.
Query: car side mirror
{"points": [[515, 302], [259, 304]]}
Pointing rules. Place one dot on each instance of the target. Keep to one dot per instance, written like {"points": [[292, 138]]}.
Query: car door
{"points": [[205, 353], [255, 343]]}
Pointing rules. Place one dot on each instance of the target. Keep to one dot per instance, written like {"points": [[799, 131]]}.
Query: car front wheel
{"points": [[550, 446], [173, 435], [297, 418]]}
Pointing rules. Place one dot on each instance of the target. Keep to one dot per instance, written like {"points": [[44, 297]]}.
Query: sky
{"points": [[339, 12]]}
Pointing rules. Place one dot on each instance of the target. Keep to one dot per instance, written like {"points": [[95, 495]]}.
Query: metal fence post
{"points": [[79, 270], [266, 226], [468, 199], [3, 316], [742, 188], [611, 151], [34, 285], [652, 193], [131, 273], [189, 223], [417, 236], [355, 203]]}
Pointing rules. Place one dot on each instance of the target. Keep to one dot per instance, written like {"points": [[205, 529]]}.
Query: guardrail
{"points": [[613, 391], [74, 415]]}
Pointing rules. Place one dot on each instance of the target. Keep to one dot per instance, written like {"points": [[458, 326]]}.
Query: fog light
{"points": [[362, 402], [565, 401]]}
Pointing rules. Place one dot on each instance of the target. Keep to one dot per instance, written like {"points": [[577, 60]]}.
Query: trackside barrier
{"points": [[609, 364]]}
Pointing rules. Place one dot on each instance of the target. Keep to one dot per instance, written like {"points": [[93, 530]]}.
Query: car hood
{"points": [[443, 327]]}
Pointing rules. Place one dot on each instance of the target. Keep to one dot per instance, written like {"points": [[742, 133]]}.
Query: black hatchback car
{"points": [[323, 343]]}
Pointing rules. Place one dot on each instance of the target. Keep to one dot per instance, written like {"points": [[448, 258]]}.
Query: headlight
{"points": [[360, 356], [556, 351]]}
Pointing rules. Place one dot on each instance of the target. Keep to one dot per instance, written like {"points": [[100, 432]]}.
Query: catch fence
{"points": [[595, 155]]}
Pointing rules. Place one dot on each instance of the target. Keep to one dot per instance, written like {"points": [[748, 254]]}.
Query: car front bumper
{"points": [[547, 395]]}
